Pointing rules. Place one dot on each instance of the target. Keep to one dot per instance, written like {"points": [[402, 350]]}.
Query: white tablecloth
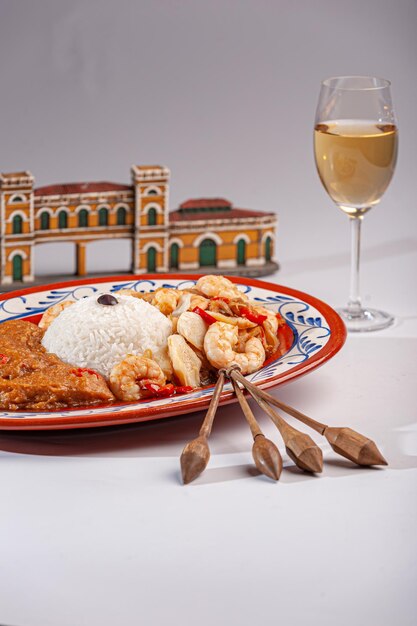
{"points": [[96, 527]]}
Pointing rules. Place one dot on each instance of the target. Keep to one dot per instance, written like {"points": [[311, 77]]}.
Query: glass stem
{"points": [[354, 303]]}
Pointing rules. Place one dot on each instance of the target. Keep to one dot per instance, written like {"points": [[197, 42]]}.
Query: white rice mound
{"points": [[92, 335]]}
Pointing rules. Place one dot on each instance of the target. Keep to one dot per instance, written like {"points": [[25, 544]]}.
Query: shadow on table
{"points": [[334, 467], [167, 437], [158, 438]]}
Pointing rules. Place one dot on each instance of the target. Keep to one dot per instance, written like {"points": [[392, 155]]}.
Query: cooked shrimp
{"points": [[199, 301], [220, 306], [245, 335], [271, 341], [220, 343], [214, 286], [146, 295], [166, 300], [126, 377], [271, 315], [53, 312]]}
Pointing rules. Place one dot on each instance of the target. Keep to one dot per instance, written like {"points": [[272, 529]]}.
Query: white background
{"points": [[95, 526], [222, 92]]}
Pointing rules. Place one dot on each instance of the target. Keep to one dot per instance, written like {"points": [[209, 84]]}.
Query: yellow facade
{"points": [[227, 249], [215, 238], [72, 212], [20, 250]]}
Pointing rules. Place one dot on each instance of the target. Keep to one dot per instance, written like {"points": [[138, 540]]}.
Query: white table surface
{"points": [[96, 527]]}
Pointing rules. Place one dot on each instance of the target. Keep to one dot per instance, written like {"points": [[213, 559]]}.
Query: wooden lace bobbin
{"points": [[196, 453], [265, 453], [344, 441], [300, 447]]}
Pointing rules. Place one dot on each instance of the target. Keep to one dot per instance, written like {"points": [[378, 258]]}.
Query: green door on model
{"points": [[241, 252], [152, 217], [83, 218], [151, 260], [45, 220], [103, 217], [17, 225], [17, 267], [174, 256], [268, 249], [62, 219], [121, 216], [208, 253]]}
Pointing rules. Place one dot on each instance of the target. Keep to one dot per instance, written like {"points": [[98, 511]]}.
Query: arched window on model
{"points": [[174, 256], [103, 217], [62, 219], [17, 225], [45, 220], [241, 252], [83, 218], [152, 217], [121, 216], [208, 253], [151, 260], [268, 249], [17, 267]]}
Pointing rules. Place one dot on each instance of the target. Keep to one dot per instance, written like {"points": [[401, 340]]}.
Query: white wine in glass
{"points": [[355, 145]]}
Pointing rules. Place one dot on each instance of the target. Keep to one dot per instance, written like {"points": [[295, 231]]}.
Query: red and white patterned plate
{"points": [[318, 334]]}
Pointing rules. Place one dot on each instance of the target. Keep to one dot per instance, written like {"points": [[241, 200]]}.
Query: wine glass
{"points": [[355, 146]]}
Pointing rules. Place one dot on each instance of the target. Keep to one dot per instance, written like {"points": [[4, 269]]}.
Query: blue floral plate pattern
{"points": [[318, 334]]}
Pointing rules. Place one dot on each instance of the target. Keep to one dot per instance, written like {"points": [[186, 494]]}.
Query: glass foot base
{"points": [[365, 320]]}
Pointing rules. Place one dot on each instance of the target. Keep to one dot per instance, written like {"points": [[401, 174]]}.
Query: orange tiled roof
{"points": [[79, 188], [197, 203], [178, 215]]}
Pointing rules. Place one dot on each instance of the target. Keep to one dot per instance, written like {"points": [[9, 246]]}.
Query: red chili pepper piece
{"points": [[149, 385], [227, 300], [281, 321], [156, 390], [286, 337], [252, 316], [165, 391], [263, 338], [4, 359], [84, 370], [183, 389], [209, 319]]}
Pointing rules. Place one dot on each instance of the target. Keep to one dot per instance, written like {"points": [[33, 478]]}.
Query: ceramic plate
{"points": [[318, 334]]}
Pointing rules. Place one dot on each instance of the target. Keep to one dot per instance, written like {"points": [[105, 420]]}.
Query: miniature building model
{"points": [[204, 234]]}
